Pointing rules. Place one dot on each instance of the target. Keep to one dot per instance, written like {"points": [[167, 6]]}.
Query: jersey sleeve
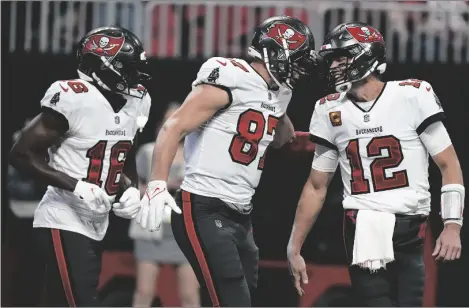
{"points": [[325, 159], [320, 130], [58, 99], [428, 108], [219, 73]]}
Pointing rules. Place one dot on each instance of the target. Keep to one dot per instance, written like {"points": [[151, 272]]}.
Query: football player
{"points": [[78, 145], [380, 133], [235, 110]]}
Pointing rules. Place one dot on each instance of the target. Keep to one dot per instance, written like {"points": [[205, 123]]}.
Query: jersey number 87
{"points": [[250, 129]]}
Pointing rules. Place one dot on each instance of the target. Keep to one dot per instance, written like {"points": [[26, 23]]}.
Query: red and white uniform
{"points": [[94, 149], [224, 157], [383, 161]]}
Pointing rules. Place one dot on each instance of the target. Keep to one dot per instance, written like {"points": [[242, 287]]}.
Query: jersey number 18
{"points": [[96, 155]]}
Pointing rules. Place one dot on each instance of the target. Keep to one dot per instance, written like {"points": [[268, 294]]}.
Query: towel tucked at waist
{"points": [[373, 244]]}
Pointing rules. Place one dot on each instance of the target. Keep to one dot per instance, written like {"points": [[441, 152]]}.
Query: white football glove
{"points": [[152, 205], [129, 204], [94, 196]]}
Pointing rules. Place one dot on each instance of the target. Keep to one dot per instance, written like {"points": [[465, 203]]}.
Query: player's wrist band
{"points": [[452, 203]]}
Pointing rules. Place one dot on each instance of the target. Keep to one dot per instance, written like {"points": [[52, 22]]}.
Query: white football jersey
{"points": [[384, 164], [225, 156], [93, 149]]}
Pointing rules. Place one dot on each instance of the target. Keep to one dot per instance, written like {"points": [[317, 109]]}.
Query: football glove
{"points": [[94, 196], [128, 205], [153, 204]]}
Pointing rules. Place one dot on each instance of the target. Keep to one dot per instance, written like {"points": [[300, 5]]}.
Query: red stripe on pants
{"points": [[61, 262], [191, 233]]}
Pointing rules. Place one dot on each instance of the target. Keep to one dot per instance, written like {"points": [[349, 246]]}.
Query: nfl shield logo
{"points": [[117, 120], [366, 118]]}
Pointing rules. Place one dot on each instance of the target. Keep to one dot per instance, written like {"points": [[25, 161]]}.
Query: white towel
{"points": [[373, 246]]}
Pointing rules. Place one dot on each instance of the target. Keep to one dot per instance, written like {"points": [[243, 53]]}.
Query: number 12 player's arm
{"points": [[29, 153], [312, 197], [325, 162], [433, 134]]}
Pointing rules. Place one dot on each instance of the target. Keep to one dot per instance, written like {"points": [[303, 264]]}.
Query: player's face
{"points": [[302, 69], [337, 61], [338, 67]]}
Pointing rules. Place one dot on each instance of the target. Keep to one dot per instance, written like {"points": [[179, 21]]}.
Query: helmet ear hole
{"points": [[381, 68]]}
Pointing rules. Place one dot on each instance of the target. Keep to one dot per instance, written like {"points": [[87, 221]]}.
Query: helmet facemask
{"points": [[284, 68], [359, 64], [121, 78]]}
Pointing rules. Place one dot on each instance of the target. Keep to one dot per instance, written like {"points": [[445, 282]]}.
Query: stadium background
{"points": [[426, 40]]}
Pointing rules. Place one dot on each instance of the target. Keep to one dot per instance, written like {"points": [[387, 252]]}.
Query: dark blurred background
{"points": [[427, 40]]}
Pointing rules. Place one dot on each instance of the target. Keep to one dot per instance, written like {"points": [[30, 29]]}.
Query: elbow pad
{"points": [[452, 203]]}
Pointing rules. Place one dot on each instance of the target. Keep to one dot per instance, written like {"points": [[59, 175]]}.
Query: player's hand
{"points": [[297, 268], [129, 204], [448, 244], [152, 205], [94, 196]]}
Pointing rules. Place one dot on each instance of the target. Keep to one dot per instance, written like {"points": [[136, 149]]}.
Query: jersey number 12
{"points": [[398, 179]]}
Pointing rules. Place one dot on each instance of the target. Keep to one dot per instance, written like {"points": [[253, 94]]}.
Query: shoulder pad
{"points": [[62, 92], [330, 99], [220, 71], [414, 84], [415, 87], [62, 97]]}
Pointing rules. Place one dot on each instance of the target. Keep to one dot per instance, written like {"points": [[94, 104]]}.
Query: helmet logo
{"points": [[103, 45], [365, 34], [293, 38]]}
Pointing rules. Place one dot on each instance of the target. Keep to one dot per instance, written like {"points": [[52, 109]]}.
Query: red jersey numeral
{"points": [[271, 125], [250, 130], [381, 182], [77, 86], [329, 98], [411, 82], [96, 155], [237, 64]]}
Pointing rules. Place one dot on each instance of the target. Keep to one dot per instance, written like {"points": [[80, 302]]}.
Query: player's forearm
{"points": [[284, 133], [125, 183], [130, 176], [164, 152], [308, 209], [35, 164], [450, 209], [451, 173]]}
